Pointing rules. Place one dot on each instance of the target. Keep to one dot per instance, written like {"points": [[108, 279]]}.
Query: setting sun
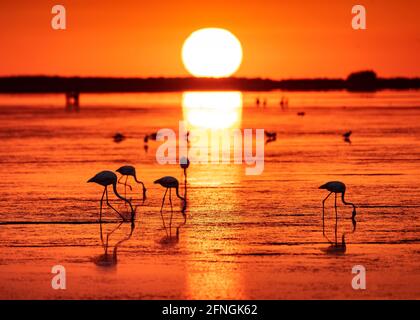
{"points": [[212, 52]]}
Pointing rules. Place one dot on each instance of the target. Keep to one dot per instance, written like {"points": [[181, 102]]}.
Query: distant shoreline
{"points": [[54, 84]]}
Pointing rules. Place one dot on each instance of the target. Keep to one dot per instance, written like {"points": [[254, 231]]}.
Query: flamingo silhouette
{"points": [[127, 171], [170, 183], [347, 134], [271, 136], [106, 178], [336, 187], [346, 137]]}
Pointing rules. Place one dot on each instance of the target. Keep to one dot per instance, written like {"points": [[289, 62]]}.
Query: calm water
{"points": [[256, 237]]}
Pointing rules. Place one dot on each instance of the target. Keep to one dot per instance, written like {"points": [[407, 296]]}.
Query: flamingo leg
{"points": [[185, 184], [106, 245], [143, 187], [323, 214], [172, 212], [109, 205], [125, 190], [101, 233], [161, 214], [100, 207], [124, 183], [336, 219]]}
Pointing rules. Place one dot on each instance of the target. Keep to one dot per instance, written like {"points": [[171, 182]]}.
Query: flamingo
{"points": [[336, 187], [170, 183], [130, 171], [106, 178]]}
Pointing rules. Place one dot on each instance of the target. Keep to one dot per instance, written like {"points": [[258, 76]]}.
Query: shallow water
{"points": [[256, 237]]}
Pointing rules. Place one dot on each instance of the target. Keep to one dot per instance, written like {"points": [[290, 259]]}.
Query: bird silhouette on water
{"points": [[270, 136], [129, 171], [118, 137], [336, 187], [170, 183], [346, 136], [105, 179]]}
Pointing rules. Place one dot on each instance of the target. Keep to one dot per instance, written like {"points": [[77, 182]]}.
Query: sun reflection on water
{"points": [[212, 110]]}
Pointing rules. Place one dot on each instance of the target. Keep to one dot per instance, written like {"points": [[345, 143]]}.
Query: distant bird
{"points": [[270, 136], [347, 134], [346, 137], [128, 171], [106, 178], [170, 183], [265, 103], [151, 136], [336, 187], [118, 137], [284, 103], [301, 114]]}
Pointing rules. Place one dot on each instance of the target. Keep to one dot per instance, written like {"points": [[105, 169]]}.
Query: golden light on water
{"points": [[212, 110], [212, 52]]}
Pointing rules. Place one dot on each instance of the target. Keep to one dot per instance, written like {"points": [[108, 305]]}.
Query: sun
{"points": [[212, 52]]}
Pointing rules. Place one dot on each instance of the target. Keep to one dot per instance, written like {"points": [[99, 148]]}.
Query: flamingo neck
{"points": [[142, 184], [138, 181], [178, 195], [353, 216], [114, 187], [182, 198], [347, 203]]}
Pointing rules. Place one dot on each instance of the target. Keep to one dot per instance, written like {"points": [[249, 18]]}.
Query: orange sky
{"points": [[307, 38]]}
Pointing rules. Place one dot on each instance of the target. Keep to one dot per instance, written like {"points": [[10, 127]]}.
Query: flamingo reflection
{"points": [[170, 240], [107, 259]]}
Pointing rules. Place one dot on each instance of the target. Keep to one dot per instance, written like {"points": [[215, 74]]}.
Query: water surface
{"points": [[246, 237]]}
